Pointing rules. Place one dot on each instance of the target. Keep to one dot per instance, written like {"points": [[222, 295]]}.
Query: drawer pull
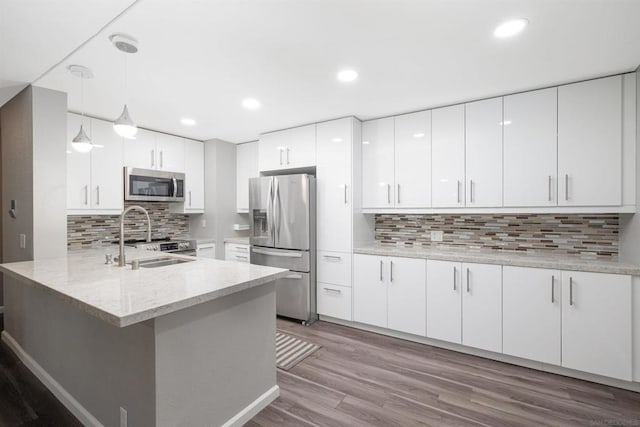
{"points": [[332, 256], [338, 291]]}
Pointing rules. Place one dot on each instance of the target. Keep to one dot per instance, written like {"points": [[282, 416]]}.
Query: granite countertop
{"points": [[555, 261], [237, 240], [122, 296]]}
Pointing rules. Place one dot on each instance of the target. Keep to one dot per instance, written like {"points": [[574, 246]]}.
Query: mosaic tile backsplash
{"points": [[573, 234], [90, 230]]}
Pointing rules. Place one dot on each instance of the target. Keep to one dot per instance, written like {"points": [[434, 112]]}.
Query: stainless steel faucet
{"points": [[121, 260]]}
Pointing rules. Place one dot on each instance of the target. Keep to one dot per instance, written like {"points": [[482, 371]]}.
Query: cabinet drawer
{"points": [[236, 248], [232, 256], [334, 301], [334, 268]]}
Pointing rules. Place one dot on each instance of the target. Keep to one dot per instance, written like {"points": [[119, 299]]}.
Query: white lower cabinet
{"points": [[236, 252], [596, 323], [444, 303], [532, 313], [390, 292], [482, 306], [334, 284], [334, 301]]}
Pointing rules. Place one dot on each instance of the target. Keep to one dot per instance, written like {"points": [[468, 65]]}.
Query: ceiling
{"points": [[199, 59]]}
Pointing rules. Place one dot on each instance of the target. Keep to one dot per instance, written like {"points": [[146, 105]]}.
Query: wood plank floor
{"points": [[359, 378]]}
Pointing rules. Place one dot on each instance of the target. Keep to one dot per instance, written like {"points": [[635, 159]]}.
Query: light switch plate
{"points": [[436, 236]]}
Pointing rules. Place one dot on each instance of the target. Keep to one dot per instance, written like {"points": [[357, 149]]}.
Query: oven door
{"points": [[153, 186]]}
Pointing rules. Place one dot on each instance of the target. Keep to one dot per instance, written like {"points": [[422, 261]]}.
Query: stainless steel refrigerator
{"points": [[282, 213]]}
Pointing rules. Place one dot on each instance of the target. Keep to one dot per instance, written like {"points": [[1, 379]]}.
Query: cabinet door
{"points": [[590, 143], [482, 306], [194, 175], [300, 149], [407, 295], [246, 167], [447, 157], [596, 323], [413, 160], [141, 152], [271, 148], [107, 177], [530, 148], [531, 313], [170, 153], [444, 301], [78, 167], [370, 289], [377, 163], [333, 185], [483, 126]]}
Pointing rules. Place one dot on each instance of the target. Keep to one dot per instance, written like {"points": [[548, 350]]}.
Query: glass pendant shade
{"points": [[124, 126], [81, 143]]}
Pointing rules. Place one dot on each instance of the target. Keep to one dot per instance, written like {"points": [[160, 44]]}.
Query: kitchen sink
{"points": [[162, 261]]}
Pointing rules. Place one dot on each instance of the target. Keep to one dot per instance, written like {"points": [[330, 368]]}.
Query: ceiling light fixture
{"points": [[510, 28], [336, 139], [347, 75], [124, 125], [251, 103], [81, 143], [418, 135], [188, 122]]}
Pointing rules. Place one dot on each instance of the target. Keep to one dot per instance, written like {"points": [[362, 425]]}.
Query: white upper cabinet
{"points": [[94, 179], [170, 153], [596, 323], [590, 143], [447, 161], [246, 167], [532, 313], [378, 189], [483, 125], [482, 306], [194, 176], [333, 185], [530, 148], [288, 149], [413, 160], [107, 177]]}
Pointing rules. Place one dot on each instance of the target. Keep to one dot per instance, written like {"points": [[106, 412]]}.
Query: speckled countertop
{"points": [[237, 240], [122, 296], [555, 261]]}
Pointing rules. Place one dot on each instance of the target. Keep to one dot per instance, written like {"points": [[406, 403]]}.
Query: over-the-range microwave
{"points": [[153, 185]]}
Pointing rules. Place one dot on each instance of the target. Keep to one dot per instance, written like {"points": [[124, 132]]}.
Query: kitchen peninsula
{"points": [[186, 344]]}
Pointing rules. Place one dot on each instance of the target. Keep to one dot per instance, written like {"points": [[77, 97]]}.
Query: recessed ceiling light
{"points": [[251, 103], [365, 142], [336, 139], [347, 75], [418, 135], [505, 123], [188, 122], [510, 28]]}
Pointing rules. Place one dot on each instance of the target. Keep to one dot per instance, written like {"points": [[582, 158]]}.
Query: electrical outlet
{"points": [[123, 417], [436, 236], [23, 241]]}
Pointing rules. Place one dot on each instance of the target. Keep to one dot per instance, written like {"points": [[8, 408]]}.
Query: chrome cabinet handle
{"points": [[471, 190], [97, 195], [161, 158], [288, 155], [338, 291], [388, 194], [458, 189], [280, 149], [454, 277], [153, 158], [553, 299], [398, 194], [566, 186], [86, 194], [247, 259], [550, 188], [189, 197], [332, 257], [242, 248], [345, 194], [381, 270], [468, 290], [570, 290], [391, 271]]}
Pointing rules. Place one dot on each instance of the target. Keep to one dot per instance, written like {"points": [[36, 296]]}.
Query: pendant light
{"points": [[124, 125], [81, 143]]}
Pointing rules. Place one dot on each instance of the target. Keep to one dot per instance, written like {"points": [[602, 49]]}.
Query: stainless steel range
{"points": [[182, 247]]}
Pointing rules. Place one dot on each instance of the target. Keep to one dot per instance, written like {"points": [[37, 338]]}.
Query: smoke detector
{"points": [[80, 71], [124, 42]]}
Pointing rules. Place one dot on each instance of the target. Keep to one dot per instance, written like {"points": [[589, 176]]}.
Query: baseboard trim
{"points": [[54, 387], [254, 408], [500, 357]]}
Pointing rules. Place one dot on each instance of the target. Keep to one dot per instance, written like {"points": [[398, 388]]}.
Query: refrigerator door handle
{"points": [[280, 254], [270, 211], [276, 211]]}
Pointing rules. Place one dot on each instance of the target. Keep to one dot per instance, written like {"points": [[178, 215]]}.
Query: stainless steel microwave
{"points": [[153, 186]]}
